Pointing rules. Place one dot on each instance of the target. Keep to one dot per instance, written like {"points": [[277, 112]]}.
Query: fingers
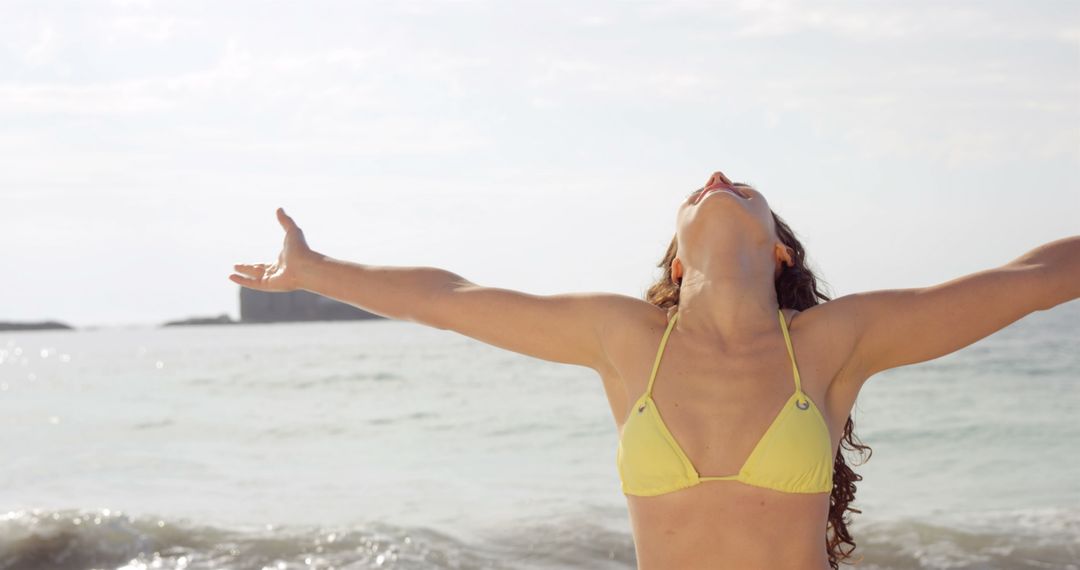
{"points": [[250, 270], [285, 220], [249, 275], [241, 280]]}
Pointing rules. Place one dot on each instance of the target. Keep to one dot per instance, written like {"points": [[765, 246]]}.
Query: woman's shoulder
{"points": [[629, 322]]}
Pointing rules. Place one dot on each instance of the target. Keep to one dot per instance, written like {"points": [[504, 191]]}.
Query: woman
{"points": [[731, 385]]}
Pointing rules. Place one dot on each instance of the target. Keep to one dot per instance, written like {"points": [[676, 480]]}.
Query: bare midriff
{"points": [[726, 524]]}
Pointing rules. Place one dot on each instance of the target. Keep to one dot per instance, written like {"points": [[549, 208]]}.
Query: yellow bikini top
{"points": [[794, 455]]}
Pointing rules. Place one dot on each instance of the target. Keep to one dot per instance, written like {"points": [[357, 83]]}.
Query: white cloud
{"points": [[350, 58], [1070, 35], [772, 119], [153, 28], [123, 98], [778, 18], [44, 48], [878, 22], [383, 136]]}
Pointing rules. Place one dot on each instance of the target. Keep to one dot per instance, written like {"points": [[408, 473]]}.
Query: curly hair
{"points": [[796, 288]]}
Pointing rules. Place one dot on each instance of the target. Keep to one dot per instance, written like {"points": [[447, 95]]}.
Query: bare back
{"points": [[718, 406]]}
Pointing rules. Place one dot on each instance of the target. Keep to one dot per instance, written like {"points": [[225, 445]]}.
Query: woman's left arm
{"points": [[897, 327]]}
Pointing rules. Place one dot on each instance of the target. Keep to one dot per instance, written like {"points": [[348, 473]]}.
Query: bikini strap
{"points": [[791, 351], [660, 351]]}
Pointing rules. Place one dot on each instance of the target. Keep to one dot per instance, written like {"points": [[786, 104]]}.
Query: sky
{"points": [[538, 146]]}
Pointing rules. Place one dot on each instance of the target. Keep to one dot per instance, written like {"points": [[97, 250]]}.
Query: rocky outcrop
{"points": [[42, 325], [263, 307]]}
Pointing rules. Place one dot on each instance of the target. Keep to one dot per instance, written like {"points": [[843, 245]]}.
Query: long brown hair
{"points": [[796, 288]]}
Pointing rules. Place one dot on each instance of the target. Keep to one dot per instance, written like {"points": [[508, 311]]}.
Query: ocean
{"points": [[387, 444]]}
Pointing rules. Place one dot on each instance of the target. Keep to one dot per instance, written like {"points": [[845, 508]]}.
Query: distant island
{"points": [[38, 326], [255, 307], [301, 305], [222, 319], [293, 306]]}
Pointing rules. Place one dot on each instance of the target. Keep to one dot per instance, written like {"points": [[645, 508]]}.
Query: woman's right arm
{"points": [[393, 292], [570, 328]]}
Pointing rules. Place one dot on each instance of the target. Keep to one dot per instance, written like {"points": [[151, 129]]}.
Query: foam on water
{"points": [[80, 540]]}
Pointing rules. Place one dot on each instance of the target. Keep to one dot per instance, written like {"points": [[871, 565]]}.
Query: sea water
{"points": [[387, 444]]}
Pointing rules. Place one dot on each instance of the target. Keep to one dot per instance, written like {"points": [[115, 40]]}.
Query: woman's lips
{"points": [[720, 189]]}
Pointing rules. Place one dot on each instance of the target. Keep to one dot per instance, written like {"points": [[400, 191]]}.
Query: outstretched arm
{"points": [[897, 327], [1060, 260], [567, 328]]}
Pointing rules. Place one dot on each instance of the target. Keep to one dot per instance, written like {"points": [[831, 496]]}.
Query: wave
{"points": [[81, 540], [85, 539]]}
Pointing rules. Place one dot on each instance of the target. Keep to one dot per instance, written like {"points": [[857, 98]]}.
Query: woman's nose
{"points": [[716, 178]]}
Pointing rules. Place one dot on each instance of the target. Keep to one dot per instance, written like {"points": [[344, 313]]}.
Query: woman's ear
{"points": [[677, 271], [785, 255]]}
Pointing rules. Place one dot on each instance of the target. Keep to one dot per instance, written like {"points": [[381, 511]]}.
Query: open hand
{"points": [[284, 275]]}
